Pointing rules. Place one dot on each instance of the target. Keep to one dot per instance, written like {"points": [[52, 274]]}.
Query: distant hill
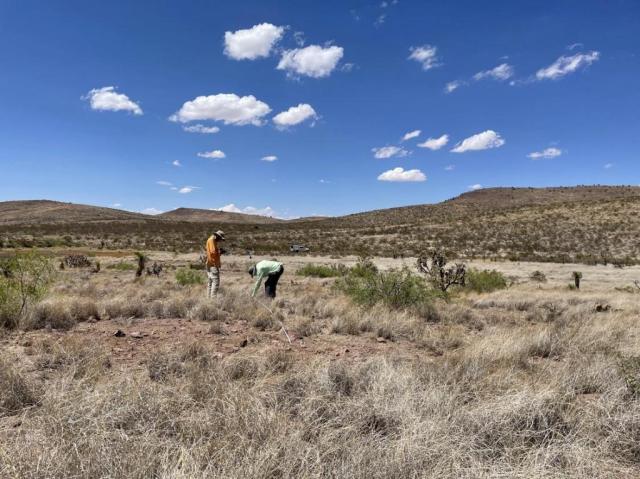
{"points": [[51, 212], [214, 216]]}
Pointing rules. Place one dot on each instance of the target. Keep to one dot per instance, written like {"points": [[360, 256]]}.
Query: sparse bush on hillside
{"points": [[185, 277], [484, 281], [322, 271], [577, 276], [122, 266]]}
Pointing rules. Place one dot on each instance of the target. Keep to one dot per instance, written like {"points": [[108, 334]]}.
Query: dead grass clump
{"points": [[49, 314], [162, 366], [16, 392], [306, 327], [73, 355], [241, 367], [278, 361], [207, 311], [83, 309], [123, 308]]}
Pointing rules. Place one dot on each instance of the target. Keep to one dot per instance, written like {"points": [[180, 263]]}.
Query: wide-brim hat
{"points": [[220, 234]]}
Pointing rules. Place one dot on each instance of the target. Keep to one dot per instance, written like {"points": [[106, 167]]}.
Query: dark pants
{"points": [[271, 283]]}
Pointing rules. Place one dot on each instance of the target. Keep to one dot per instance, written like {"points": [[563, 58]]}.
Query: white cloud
{"points": [[151, 211], [450, 167], [411, 134], [215, 154], [116, 205], [188, 189], [546, 153], [501, 72], [163, 183], [201, 129], [107, 99], [313, 61], [389, 152], [248, 210], [176, 163], [402, 175], [567, 64], [453, 86], [323, 181], [228, 108], [269, 158], [426, 55], [608, 165], [477, 186], [573, 46], [252, 43], [482, 141], [294, 115], [435, 143]]}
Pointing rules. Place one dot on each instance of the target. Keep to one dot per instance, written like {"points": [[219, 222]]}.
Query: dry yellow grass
{"points": [[528, 382]]}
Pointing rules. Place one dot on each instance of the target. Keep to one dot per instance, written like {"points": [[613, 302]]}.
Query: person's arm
{"points": [[257, 285]]}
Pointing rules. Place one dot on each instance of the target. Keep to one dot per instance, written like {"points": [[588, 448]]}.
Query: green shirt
{"points": [[264, 268]]}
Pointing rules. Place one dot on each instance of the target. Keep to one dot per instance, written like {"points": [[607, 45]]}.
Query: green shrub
{"points": [[24, 280], [322, 271], [397, 289], [485, 281], [538, 276], [186, 277], [122, 266]]}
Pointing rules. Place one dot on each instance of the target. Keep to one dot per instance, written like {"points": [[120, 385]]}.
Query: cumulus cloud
{"points": [[163, 183], [313, 61], [294, 115], [269, 158], [566, 65], [107, 99], [228, 108], [248, 210], [151, 211], [116, 205], [453, 86], [188, 189], [477, 186], [435, 143], [176, 163], [482, 141], [546, 153], [383, 152], [426, 55], [411, 134], [252, 43], [201, 129], [501, 72], [401, 175], [215, 154]]}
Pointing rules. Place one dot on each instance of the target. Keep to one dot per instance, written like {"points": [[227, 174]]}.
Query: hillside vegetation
{"points": [[585, 224]]}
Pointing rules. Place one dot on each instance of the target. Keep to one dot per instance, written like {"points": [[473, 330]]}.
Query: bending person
{"points": [[272, 270]]}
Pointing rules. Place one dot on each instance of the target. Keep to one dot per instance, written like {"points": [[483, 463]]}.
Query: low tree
{"points": [[441, 276]]}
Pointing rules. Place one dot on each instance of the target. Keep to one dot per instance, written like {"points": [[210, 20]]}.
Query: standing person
{"points": [[272, 270], [213, 262]]}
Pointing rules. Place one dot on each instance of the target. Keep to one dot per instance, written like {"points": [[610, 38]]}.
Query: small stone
{"points": [[380, 339], [137, 335], [119, 333]]}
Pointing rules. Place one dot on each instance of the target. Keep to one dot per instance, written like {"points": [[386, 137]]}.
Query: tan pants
{"points": [[213, 275]]}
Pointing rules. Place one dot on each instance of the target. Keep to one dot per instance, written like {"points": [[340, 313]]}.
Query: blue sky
{"points": [[95, 98]]}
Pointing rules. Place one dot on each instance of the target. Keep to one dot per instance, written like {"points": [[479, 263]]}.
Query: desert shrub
{"points": [[485, 281], [54, 314], [24, 281], [322, 271], [538, 276], [439, 275], [397, 289], [15, 392], [122, 266], [185, 277], [207, 312]]}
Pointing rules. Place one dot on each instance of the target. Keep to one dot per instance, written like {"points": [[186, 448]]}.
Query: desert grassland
{"points": [[532, 381]]}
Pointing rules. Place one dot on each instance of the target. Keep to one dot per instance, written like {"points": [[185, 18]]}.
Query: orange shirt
{"points": [[213, 253]]}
